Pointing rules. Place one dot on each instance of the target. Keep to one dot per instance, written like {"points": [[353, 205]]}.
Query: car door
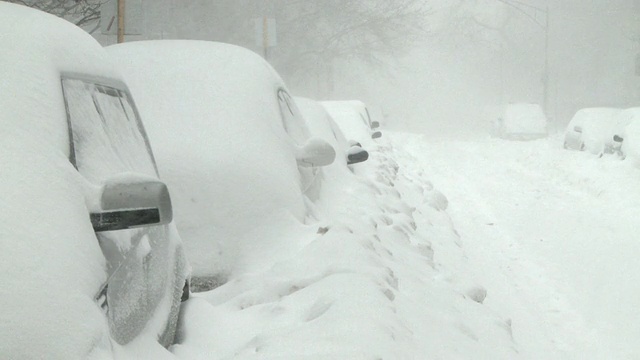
{"points": [[107, 139]]}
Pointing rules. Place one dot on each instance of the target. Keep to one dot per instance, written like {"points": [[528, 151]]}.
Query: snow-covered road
{"points": [[552, 235], [441, 249]]}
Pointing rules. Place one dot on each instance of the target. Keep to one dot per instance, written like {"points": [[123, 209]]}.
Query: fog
{"points": [[440, 67], [452, 84], [445, 243]]}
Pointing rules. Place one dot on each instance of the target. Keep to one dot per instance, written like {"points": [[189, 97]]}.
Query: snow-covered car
{"points": [[231, 144], [90, 257], [625, 133], [353, 118], [321, 124], [591, 129], [521, 121]]}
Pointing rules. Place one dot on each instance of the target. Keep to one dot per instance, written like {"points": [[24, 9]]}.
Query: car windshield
{"points": [[291, 118]]}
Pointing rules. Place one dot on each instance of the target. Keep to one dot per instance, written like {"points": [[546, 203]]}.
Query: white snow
{"points": [[434, 248], [51, 264], [597, 127], [50, 261], [628, 127], [322, 125], [533, 258], [352, 117], [213, 119]]}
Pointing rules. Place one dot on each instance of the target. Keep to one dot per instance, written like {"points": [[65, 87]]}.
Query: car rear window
{"points": [[107, 136]]}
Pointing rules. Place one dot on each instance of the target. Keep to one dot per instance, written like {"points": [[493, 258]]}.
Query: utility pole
{"points": [[121, 21], [545, 79], [265, 37]]}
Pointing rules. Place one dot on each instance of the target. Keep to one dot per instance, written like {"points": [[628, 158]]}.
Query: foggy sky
{"points": [[454, 82]]}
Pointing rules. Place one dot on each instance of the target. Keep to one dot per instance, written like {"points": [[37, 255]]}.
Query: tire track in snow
{"points": [[479, 178]]}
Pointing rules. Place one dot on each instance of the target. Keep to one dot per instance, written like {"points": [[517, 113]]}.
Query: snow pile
{"points": [[378, 276], [553, 235]]}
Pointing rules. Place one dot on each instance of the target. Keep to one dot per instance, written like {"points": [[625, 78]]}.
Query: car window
{"points": [[291, 118], [107, 136], [107, 139], [364, 121], [368, 117]]}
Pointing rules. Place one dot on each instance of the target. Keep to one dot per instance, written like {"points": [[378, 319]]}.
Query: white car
{"points": [[521, 121], [231, 144], [625, 139], [321, 124], [591, 129], [90, 258], [353, 118]]}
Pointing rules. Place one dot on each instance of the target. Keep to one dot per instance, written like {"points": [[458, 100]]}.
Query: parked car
{"points": [[353, 118], [230, 142], [90, 256], [625, 134], [591, 129], [322, 125], [521, 121]]}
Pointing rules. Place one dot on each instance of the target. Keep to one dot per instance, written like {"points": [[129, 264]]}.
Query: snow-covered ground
{"points": [[553, 235], [444, 249]]}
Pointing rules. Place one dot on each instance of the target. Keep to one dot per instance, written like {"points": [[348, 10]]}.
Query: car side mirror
{"points": [[132, 201], [577, 129], [354, 143], [356, 154], [316, 152], [376, 135], [375, 124]]}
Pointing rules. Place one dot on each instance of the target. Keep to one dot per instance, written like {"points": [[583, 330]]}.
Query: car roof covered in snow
{"points": [[36, 48]]}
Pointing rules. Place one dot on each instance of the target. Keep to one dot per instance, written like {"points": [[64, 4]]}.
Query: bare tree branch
{"points": [[80, 12]]}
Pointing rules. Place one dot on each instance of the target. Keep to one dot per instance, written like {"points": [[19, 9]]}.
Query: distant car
{"points": [[591, 129], [230, 142], [521, 121], [89, 251], [322, 125], [353, 118], [625, 133]]}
